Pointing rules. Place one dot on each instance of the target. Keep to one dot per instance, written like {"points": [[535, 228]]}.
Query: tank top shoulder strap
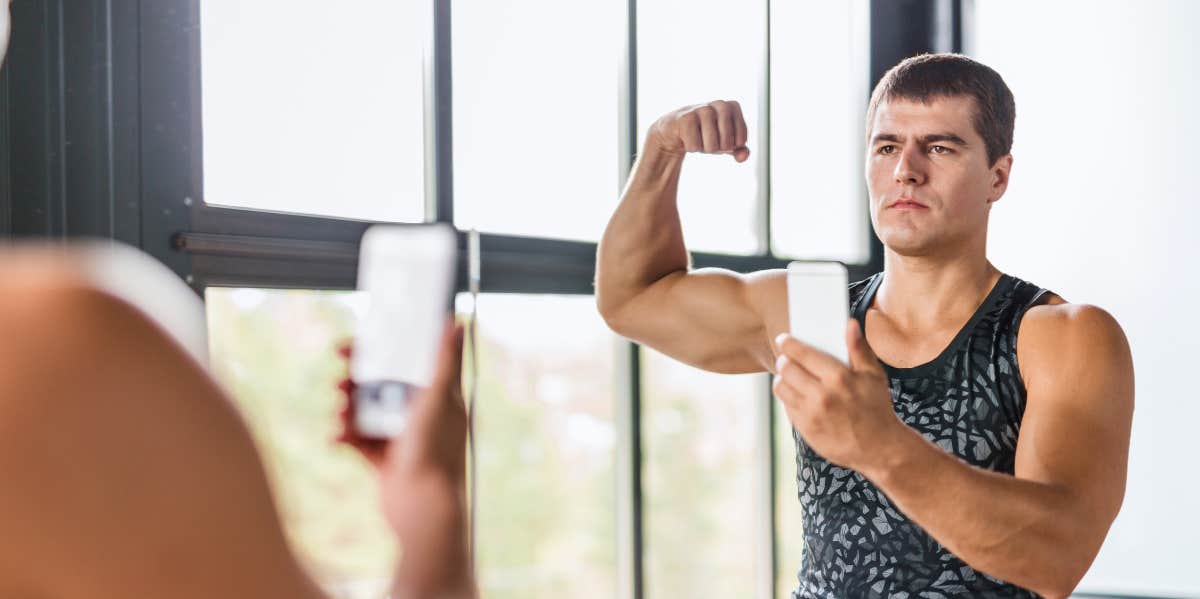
{"points": [[1018, 298], [861, 293]]}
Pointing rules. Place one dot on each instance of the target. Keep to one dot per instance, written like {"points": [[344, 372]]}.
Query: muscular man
{"points": [[976, 443]]}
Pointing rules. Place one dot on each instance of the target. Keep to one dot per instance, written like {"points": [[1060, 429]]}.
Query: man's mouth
{"points": [[907, 204]]}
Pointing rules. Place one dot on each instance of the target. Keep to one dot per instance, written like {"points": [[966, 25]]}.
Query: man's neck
{"points": [[923, 291]]}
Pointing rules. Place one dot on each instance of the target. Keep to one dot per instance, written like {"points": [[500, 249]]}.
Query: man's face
{"points": [[930, 183]]}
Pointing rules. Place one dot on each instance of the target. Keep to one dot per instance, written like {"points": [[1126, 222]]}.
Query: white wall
{"points": [[1103, 208]]}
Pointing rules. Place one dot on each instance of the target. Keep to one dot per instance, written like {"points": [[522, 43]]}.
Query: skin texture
{"points": [[931, 190], [124, 460], [423, 479]]}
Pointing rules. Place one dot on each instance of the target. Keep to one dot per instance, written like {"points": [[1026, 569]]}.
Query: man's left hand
{"points": [[843, 412]]}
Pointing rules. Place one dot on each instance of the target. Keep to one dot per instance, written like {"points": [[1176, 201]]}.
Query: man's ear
{"points": [[999, 182]]}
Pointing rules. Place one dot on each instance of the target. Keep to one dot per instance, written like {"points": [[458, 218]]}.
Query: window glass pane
{"points": [[535, 116], [819, 95], [789, 525], [546, 450], [324, 119], [544, 423], [274, 351], [694, 52], [699, 476]]}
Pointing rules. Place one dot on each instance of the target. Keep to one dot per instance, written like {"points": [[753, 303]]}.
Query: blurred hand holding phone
{"points": [[407, 273], [819, 305]]}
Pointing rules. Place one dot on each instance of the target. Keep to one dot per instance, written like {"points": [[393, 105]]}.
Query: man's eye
{"points": [[940, 150], [886, 149]]}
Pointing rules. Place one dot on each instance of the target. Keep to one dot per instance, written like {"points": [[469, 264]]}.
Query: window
{"points": [[694, 52], [818, 104], [535, 117], [325, 119], [329, 119], [274, 351], [699, 471], [546, 448], [544, 426]]}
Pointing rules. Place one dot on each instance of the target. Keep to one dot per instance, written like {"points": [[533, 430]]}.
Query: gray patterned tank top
{"points": [[969, 401]]}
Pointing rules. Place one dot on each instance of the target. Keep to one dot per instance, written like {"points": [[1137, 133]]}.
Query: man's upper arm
{"points": [[710, 318], [1075, 432]]}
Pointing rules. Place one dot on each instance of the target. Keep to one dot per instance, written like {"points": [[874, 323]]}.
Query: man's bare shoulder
{"points": [[1057, 316], [1060, 334]]}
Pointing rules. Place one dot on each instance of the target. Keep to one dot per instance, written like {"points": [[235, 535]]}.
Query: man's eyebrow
{"points": [[936, 137], [892, 137], [924, 139]]}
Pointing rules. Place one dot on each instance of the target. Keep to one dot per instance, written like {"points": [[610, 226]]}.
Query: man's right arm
{"points": [[645, 288]]}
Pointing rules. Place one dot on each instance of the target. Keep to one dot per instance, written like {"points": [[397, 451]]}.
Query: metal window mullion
{"points": [[627, 133], [767, 550], [630, 574], [629, 539], [964, 21], [763, 172], [439, 112], [765, 546]]}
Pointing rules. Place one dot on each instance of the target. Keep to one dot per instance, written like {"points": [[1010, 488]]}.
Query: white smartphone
{"points": [[819, 305], [407, 273]]}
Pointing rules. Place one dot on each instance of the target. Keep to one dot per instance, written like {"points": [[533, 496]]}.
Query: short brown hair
{"points": [[930, 76]]}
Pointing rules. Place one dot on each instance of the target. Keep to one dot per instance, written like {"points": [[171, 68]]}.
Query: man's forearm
{"points": [[1020, 531], [644, 240]]}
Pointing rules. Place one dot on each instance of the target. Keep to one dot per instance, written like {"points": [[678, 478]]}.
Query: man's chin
{"points": [[908, 245]]}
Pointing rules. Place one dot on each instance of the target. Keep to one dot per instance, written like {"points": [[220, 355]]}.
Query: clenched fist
{"points": [[714, 128]]}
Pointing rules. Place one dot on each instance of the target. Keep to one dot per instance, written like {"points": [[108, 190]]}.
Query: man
{"points": [[129, 473], [951, 455]]}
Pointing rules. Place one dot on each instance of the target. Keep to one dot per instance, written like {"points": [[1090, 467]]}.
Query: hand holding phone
{"points": [[407, 273]]}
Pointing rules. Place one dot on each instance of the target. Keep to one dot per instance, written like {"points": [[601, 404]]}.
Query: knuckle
{"points": [[823, 400], [686, 122]]}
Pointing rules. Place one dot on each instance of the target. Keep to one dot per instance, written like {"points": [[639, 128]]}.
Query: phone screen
{"points": [[819, 305], [407, 273]]}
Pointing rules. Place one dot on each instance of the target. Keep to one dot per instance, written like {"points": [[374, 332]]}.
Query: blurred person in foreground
{"points": [[129, 473]]}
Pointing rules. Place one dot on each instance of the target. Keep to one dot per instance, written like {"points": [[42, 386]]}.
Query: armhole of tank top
{"points": [[1038, 299], [858, 307]]}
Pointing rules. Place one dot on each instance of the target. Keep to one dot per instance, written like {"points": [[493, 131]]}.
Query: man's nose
{"points": [[910, 169]]}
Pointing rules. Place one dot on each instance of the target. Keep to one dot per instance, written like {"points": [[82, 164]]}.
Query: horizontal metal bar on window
{"points": [[510, 264], [245, 246]]}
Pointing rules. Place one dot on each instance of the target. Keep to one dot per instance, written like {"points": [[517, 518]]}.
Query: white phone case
{"points": [[407, 272], [819, 305]]}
